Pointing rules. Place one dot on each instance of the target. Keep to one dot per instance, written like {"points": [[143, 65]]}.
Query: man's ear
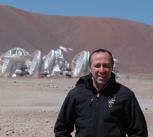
{"points": [[89, 69]]}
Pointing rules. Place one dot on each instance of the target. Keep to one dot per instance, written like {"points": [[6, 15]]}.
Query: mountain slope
{"points": [[130, 42]]}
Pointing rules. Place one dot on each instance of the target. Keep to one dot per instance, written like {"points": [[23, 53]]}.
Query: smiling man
{"points": [[98, 106], [101, 64]]}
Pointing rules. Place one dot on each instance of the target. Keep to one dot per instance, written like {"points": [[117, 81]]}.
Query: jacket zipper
{"points": [[96, 114]]}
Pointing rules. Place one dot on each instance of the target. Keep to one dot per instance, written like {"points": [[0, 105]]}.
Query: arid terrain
{"points": [[29, 106]]}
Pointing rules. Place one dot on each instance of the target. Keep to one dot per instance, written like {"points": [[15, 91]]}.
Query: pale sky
{"points": [[135, 10]]}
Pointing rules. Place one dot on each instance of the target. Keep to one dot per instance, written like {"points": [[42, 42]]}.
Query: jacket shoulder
{"points": [[124, 90], [78, 89]]}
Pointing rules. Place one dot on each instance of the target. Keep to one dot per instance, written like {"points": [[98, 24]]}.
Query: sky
{"points": [[136, 10]]}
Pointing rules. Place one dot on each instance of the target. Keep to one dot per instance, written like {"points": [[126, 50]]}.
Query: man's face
{"points": [[101, 68]]}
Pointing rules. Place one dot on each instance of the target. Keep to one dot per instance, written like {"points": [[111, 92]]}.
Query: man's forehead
{"points": [[101, 54]]}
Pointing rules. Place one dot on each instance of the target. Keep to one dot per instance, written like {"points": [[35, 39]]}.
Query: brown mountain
{"points": [[130, 42]]}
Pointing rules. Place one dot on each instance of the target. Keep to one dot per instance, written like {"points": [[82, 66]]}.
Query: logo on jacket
{"points": [[111, 102]]}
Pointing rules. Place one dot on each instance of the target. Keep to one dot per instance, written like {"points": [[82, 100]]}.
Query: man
{"points": [[98, 106]]}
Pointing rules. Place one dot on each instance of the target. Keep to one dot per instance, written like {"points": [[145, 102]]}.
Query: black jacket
{"points": [[112, 112]]}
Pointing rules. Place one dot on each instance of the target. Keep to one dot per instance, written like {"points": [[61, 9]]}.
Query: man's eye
{"points": [[106, 65], [103, 65], [98, 66]]}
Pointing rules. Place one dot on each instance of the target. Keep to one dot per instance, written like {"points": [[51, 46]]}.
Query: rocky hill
{"points": [[130, 42]]}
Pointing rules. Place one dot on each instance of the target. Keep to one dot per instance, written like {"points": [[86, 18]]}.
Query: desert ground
{"points": [[29, 106]]}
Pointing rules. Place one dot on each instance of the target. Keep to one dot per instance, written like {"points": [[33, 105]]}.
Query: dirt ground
{"points": [[29, 106]]}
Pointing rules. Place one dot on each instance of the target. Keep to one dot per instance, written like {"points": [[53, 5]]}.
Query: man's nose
{"points": [[101, 69]]}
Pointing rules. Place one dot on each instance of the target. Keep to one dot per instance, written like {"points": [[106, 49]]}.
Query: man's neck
{"points": [[97, 87]]}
